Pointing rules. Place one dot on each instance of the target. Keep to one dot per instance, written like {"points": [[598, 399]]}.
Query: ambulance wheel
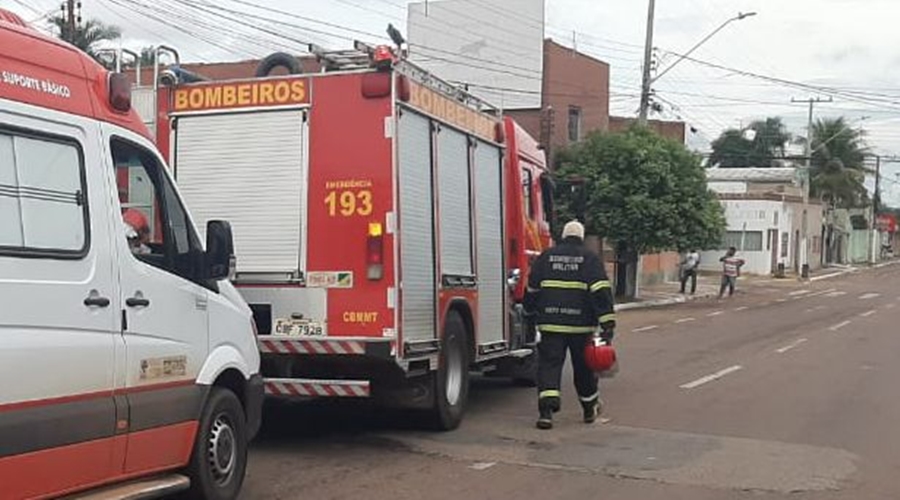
{"points": [[452, 378], [219, 459]]}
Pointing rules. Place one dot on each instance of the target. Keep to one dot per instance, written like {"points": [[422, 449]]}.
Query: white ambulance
{"points": [[128, 363]]}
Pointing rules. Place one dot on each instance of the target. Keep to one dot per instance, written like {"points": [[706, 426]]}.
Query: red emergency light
{"points": [[12, 18]]}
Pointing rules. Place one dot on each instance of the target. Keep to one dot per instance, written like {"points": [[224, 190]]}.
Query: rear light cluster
{"points": [[375, 252]]}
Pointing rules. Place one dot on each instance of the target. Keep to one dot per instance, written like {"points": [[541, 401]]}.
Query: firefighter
{"points": [[570, 294]]}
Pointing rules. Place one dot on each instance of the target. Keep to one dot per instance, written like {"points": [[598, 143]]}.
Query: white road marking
{"points": [[817, 308], [645, 329], [868, 296], [790, 346], [482, 465], [716, 313], [781, 300], [869, 313], [799, 292], [835, 294], [839, 325], [709, 378], [685, 320], [742, 308]]}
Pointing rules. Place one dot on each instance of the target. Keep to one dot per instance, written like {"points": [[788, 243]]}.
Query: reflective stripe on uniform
{"points": [[565, 329], [551, 393], [606, 318], [565, 285], [533, 290], [590, 398], [600, 285]]}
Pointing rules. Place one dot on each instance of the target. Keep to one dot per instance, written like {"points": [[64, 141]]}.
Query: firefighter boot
{"points": [[592, 410], [546, 407]]}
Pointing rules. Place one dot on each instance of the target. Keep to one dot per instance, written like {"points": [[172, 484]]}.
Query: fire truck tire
{"points": [[219, 458], [452, 377], [275, 60]]}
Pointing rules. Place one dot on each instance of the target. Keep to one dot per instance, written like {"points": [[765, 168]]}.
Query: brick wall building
{"points": [[574, 98], [671, 129]]}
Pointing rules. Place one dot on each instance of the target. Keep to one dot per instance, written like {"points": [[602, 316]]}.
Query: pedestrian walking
{"points": [[570, 294], [731, 269], [689, 266]]}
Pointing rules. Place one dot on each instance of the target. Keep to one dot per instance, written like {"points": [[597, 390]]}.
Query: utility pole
{"points": [[648, 56], [804, 239], [70, 16], [876, 199]]}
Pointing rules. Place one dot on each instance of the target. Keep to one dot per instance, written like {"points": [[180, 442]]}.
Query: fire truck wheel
{"points": [[219, 459], [452, 377]]}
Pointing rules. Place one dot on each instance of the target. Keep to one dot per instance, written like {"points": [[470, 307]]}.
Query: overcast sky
{"points": [[847, 45]]}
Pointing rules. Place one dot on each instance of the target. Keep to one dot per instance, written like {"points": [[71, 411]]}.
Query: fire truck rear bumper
{"points": [[332, 346], [302, 388]]}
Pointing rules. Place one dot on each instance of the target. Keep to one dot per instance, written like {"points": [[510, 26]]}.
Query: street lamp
{"points": [[648, 82]]}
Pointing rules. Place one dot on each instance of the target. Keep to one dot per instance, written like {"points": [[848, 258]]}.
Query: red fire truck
{"points": [[382, 221]]}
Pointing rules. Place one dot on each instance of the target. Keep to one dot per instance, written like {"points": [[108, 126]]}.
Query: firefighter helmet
{"points": [[599, 355]]}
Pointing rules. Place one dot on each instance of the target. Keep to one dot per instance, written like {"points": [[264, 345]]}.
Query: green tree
{"points": [[731, 149], [755, 146], [838, 168], [642, 191], [88, 35]]}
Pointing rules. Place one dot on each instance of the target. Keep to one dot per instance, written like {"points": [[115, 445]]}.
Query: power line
{"points": [[789, 83]]}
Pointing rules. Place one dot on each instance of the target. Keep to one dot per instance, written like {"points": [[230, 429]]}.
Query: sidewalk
{"points": [[665, 294]]}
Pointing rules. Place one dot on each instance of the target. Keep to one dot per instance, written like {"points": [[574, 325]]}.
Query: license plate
{"points": [[299, 328]]}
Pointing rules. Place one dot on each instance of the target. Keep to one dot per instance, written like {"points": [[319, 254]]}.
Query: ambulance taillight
{"points": [[119, 92], [375, 252]]}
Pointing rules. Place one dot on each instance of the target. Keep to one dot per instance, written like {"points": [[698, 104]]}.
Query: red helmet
{"points": [[600, 356], [136, 219]]}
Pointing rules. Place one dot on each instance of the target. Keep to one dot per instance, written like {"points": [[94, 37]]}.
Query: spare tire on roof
{"points": [[275, 60]]}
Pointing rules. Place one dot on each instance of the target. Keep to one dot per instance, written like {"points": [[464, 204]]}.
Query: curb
{"points": [[659, 302], [832, 275]]}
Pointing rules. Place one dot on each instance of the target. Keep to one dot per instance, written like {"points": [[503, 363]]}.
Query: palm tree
{"points": [[838, 163], [86, 36], [735, 149]]}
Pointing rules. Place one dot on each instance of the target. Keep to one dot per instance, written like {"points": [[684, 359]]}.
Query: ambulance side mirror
{"points": [[220, 258]]}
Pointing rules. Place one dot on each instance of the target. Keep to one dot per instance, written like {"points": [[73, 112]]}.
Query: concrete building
{"points": [[764, 214]]}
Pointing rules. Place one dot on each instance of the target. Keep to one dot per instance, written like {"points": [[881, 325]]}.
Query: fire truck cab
{"points": [[128, 361], [383, 220]]}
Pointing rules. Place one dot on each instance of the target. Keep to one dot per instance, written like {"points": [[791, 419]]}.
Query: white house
{"points": [[764, 213]]}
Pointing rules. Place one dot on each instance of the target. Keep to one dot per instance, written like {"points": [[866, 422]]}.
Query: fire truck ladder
{"points": [[361, 57]]}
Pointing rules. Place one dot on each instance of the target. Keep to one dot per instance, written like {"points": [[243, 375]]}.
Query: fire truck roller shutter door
{"points": [[489, 226], [416, 228], [454, 211], [218, 162]]}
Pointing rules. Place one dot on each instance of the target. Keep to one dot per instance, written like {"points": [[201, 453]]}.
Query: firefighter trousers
{"points": [[551, 358]]}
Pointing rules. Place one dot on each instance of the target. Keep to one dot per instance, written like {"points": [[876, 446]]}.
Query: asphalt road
{"points": [[786, 391]]}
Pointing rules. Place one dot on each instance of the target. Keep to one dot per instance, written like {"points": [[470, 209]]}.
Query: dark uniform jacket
{"points": [[569, 291]]}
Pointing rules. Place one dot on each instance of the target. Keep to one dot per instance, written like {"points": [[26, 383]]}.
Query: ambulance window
{"points": [[155, 222], [43, 210], [527, 183]]}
